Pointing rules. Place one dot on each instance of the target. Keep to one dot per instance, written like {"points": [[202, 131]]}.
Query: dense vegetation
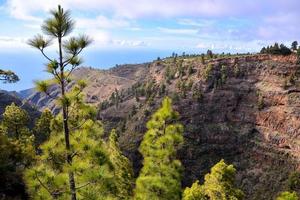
{"points": [[68, 156], [277, 49]]}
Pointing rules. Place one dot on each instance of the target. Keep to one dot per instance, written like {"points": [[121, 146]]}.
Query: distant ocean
{"points": [[30, 65]]}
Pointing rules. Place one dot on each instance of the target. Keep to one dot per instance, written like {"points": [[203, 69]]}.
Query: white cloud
{"points": [[233, 46], [178, 31], [198, 23], [101, 22], [100, 38], [207, 19], [130, 43], [22, 9], [8, 43]]}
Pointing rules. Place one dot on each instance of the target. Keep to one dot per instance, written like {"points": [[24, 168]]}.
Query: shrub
{"points": [[236, 71], [294, 181], [260, 102], [191, 70], [207, 74], [223, 74], [287, 196]]}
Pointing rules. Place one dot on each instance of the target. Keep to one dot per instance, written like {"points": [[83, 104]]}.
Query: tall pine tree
{"points": [[122, 169], [160, 177], [58, 27]]}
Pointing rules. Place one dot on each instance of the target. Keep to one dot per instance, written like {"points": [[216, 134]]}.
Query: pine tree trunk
{"points": [[65, 124]]}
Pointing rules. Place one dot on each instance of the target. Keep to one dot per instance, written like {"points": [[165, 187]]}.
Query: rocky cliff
{"points": [[244, 109]]}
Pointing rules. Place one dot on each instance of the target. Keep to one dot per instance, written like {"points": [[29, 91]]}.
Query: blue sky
{"points": [[140, 30]]}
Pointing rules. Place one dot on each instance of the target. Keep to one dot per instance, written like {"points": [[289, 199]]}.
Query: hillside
{"points": [[100, 84], [7, 98], [244, 109]]}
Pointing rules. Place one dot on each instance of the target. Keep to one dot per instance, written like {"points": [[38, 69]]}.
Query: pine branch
{"points": [[66, 62], [84, 185], [42, 51], [42, 184], [79, 126]]}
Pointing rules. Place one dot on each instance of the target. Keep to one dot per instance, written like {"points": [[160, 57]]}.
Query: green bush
{"points": [[288, 196], [207, 73]]}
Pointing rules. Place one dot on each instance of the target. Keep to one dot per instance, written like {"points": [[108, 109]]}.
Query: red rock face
{"points": [[262, 141]]}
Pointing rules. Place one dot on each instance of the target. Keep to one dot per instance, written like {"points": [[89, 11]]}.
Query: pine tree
{"points": [[42, 127], [16, 150], [294, 46], [160, 177], [122, 168], [263, 50], [218, 185], [7, 76], [209, 54], [48, 178], [16, 120], [196, 192], [58, 27]]}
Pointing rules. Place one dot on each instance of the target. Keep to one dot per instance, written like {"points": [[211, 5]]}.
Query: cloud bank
{"points": [[192, 23]]}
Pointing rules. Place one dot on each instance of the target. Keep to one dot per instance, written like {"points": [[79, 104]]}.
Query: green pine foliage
{"points": [[48, 177], [16, 150], [195, 192], [13, 158], [42, 127], [58, 27], [16, 120], [122, 169], [276, 50], [218, 185], [15, 123], [288, 196], [160, 177]]}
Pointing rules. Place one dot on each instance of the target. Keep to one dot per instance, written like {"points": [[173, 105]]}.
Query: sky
{"points": [[134, 31]]}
